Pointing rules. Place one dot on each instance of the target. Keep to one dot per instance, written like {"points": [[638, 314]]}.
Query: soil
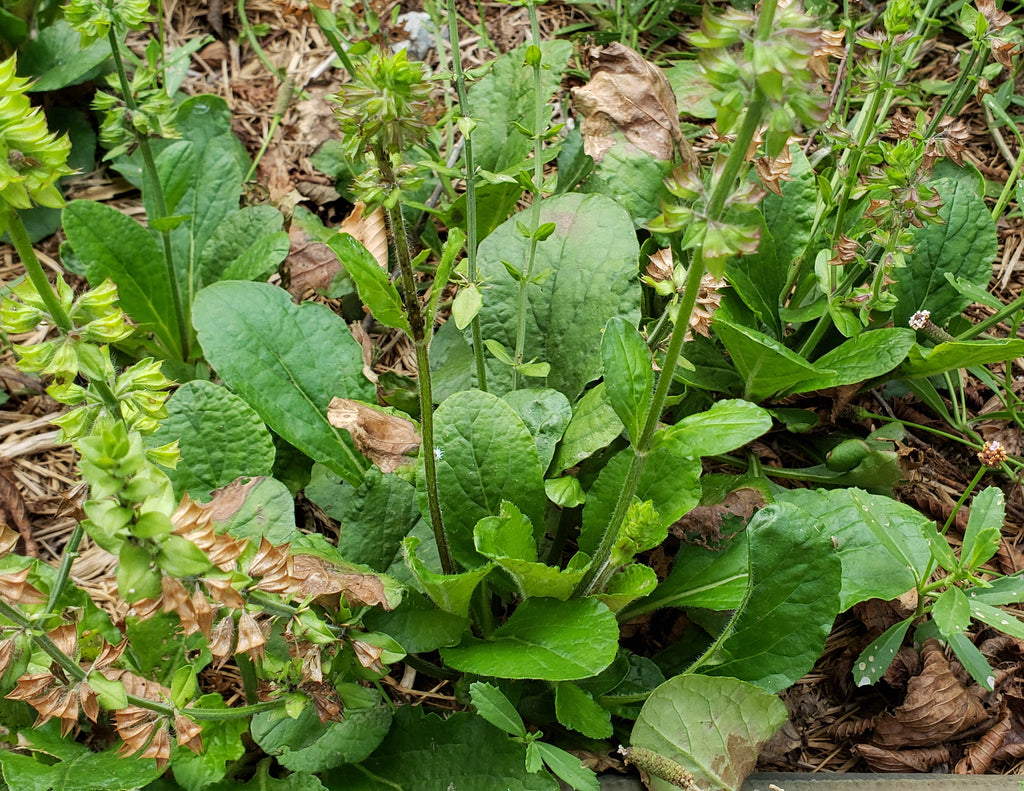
{"points": [[925, 715]]}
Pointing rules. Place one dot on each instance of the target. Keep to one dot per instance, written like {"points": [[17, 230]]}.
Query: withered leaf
{"points": [[312, 264], [920, 760], [626, 94], [369, 230], [980, 755], [384, 439]]}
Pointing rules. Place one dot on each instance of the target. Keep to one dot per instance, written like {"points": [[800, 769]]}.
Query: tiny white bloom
{"points": [[438, 454]]}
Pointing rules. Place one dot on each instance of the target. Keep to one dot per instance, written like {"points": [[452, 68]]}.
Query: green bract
{"points": [[31, 157], [94, 18]]}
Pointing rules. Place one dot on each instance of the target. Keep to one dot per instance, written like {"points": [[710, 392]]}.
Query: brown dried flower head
{"points": [[992, 454], [846, 251], [188, 733], [772, 171]]}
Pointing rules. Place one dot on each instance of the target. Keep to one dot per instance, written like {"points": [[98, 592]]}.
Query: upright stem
{"points": [[159, 201], [472, 231], [34, 270], [421, 341], [599, 568], [535, 190]]}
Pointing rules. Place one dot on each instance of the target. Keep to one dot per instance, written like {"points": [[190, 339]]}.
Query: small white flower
{"points": [[438, 454]]}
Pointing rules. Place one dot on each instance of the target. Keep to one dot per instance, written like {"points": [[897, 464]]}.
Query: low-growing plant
{"points": [[494, 535]]}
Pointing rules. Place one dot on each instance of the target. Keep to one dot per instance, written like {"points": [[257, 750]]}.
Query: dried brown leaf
{"points": [[627, 95], [979, 756], [369, 230], [13, 511], [366, 344], [882, 760], [384, 439], [936, 708], [8, 540], [312, 264]]}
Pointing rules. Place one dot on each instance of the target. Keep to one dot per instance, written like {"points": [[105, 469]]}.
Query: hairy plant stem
{"points": [[599, 569], [159, 201], [74, 671], [34, 270], [472, 223], [535, 191], [68, 556], [421, 336]]}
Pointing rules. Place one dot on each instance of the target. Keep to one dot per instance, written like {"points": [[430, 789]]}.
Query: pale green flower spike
{"points": [[94, 18], [31, 157]]}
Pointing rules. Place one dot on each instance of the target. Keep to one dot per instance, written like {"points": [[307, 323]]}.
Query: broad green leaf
{"points": [[765, 365], [220, 436], [484, 455], [632, 178], [451, 592], [113, 245], [466, 305], [996, 618], [75, 768], [726, 426], [692, 89], [941, 551], [248, 241], [565, 491], [630, 583], [704, 578], [546, 414], [959, 354], [670, 480], [493, 706], [55, 57], [214, 185], [417, 624], [576, 709], [567, 767], [873, 567], [373, 518], [264, 781], [779, 632], [714, 727], [964, 245], [592, 257], [348, 741], [376, 290], [860, 358], [594, 425], [628, 374], [429, 752], [264, 508], [758, 280], [544, 639], [876, 658], [790, 217], [702, 365], [505, 97], [507, 535], [984, 528], [287, 361], [222, 746], [951, 611]]}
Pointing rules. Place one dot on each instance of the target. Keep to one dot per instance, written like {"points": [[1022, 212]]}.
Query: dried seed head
{"points": [[188, 733], [846, 251], [251, 639]]}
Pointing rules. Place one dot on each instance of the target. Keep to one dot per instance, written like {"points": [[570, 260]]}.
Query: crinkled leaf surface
{"points": [[221, 438], [417, 624], [592, 257], [287, 361], [712, 726], [485, 455], [594, 425], [428, 752], [505, 96], [222, 744], [348, 741], [545, 639], [670, 479], [373, 518], [779, 631], [76, 767], [870, 571], [789, 218], [758, 280], [964, 245], [577, 709], [546, 413], [248, 241]]}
